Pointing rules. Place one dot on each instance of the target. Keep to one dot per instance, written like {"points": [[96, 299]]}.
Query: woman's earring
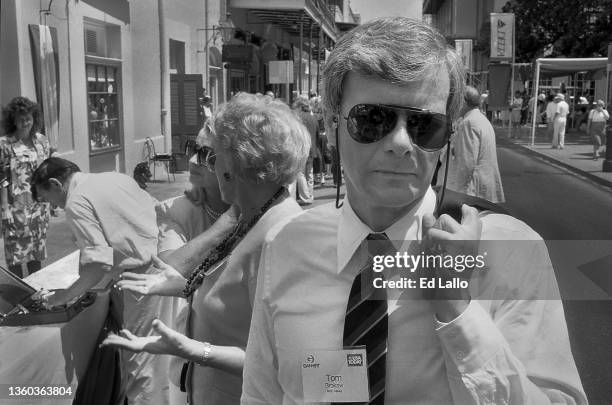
{"points": [[227, 176]]}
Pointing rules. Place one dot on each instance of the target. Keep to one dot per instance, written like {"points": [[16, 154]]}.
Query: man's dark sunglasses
{"points": [[206, 157], [367, 123]]}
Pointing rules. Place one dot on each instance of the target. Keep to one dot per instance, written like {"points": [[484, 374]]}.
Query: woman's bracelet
{"points": [[205, 355]]}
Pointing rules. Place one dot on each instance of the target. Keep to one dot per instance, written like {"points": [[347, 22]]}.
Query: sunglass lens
{"points": [[428, 131], [370, 123], [367, 123], [212, 158]]}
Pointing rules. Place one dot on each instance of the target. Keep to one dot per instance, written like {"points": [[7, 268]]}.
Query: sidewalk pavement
{"points": [[576, 156]]}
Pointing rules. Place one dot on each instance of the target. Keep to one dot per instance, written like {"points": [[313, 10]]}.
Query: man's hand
{"points": [[169, 341], [48, 299], [445, 236], [166, 281], [45, 298]]}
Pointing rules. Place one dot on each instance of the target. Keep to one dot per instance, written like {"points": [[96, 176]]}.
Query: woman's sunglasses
{"points": [[367, 123], [206, 157]]}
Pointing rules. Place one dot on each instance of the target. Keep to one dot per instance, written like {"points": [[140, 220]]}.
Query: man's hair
{"points": [[471, 97], [53, 168], [266, 141], [396, 50], [20, 106]]}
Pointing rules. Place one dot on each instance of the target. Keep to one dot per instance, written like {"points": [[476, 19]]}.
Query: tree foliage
{"points": [[561, 28]]}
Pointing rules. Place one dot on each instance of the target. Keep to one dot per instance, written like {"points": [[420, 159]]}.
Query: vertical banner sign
{"points": [[43, 41], [464, 49], [502, 33]]}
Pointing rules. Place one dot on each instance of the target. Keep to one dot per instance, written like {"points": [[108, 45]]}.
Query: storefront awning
{"points": [[287, 15], [555, 67]]}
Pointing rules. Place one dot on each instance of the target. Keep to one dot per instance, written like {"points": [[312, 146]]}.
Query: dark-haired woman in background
{"points": [[24, 221]]}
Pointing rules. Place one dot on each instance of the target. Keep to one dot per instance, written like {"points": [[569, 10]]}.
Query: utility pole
{"points": [[607, 164]]}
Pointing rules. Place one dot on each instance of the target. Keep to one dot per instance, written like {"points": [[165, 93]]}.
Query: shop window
{"points": [[177, 56], [103, 106], [102, 69]]}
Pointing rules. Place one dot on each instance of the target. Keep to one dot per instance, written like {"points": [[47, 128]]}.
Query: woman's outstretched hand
{"points": [[166, 281], [168, 341]]}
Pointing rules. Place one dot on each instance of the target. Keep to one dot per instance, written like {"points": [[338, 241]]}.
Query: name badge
{"points": [[335, 375]]}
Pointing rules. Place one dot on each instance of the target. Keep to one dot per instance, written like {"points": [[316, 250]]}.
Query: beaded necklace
{"points": [[223, 249], [212, 214]]}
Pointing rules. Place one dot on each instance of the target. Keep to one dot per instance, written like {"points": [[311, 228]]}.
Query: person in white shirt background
{"points": [[560, 121], [391, 88]]}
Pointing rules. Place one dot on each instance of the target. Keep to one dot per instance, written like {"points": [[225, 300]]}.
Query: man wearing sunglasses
{"points": [[392, 89]]}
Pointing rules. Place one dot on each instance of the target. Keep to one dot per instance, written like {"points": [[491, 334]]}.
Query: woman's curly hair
{"points": [[20, 106]]}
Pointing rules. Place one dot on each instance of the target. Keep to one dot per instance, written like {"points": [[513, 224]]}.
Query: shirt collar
{"points": [[352, 231], [76, 179]]}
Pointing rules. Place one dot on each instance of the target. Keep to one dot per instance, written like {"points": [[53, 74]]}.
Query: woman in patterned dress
{"points": [[24, 221]]}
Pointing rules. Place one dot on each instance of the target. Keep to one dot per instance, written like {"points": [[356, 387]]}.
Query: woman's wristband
{"points": [[205, 355]]}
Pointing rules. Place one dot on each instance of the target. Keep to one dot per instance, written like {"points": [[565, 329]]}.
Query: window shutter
{"points": [[186, 117], [91, 42]]}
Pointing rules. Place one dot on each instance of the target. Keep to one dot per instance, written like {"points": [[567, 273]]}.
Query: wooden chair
{"points": [[152, 157]]}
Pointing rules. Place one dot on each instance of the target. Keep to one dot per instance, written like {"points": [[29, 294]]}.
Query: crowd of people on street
{"points": [[224, 293], [556, 113]]}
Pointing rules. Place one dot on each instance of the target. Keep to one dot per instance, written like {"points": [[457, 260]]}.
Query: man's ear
{"points": [[55, 183]]}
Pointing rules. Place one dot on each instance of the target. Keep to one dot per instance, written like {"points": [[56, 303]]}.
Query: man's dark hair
{"points": [[19, 106], [52, 168]]}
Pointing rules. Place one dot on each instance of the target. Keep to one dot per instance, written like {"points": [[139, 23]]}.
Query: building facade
{"points": [[113, 73], [273, 31], [115, 60]]}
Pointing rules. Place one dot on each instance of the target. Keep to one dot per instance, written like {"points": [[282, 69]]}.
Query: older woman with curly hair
{"points": [[24, 221], [259, 148]]}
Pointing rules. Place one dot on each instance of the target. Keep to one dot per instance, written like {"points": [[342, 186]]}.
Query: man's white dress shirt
{"points": [[496, 352], [113, 222]]}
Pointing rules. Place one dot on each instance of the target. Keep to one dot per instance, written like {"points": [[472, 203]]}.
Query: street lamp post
{"points": [[225, 30]]}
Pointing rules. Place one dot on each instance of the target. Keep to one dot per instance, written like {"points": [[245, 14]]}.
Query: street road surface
{"points": [[572, 211]]}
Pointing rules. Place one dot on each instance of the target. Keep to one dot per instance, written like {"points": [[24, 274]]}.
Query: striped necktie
{"points": [[366, 320]]}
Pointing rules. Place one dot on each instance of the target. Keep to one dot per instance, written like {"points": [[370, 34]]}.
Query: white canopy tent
{"points": [[555, 67]]}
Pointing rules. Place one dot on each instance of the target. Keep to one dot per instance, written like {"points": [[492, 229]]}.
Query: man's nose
{"points": [[399, 141]]}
